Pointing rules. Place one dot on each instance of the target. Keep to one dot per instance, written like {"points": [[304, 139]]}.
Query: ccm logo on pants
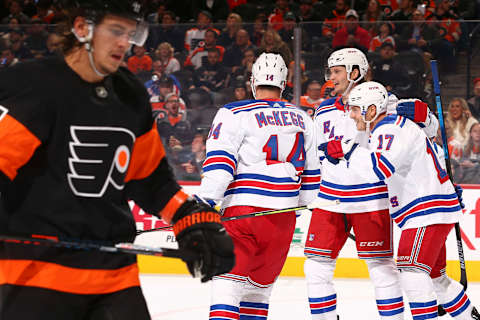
{"points": [[371, 243]]}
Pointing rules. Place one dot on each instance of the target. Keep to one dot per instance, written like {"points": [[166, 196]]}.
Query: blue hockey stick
{"points": [[438, 101]]}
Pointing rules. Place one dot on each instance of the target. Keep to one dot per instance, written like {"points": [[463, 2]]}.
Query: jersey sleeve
{"points": [[25, 122], [311, 173], [223, 143], [430, 126]]}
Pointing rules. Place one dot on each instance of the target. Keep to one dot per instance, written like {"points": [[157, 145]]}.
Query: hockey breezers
{"points": [[313, 205], [438, 101], [129, 248]]}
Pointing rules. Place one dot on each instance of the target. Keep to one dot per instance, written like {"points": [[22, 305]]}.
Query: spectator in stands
{"points": [[197, 58], [468, 168], [352, 35], [450, 32], [328, 89], [218, 9], [245, 69], [385, 35], [139, 61], [158, 87], [211, 76], [17, 44], [387, 71], [460, 120], [388, 6], [474, 102], [8, 59], [310, 17], [157, 16], [240, 91], [271, 42], [235, 53], [286, 33], [336, 20], [12, 25], [36, 39], [172, 106], [168, 31], [259, 28], [313, 95], [372, 16], [404, 13], [275, 20], [15, 9], [417, 35], [195, 35], [54, 44], [235, 3], [165, 60], [190, 160], [43, 11], [228, 35]]}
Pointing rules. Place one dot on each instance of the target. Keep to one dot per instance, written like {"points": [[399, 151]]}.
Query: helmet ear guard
{"points": [[348, 58]]}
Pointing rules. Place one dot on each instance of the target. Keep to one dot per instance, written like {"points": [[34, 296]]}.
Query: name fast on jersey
{"points": [[279, 118]]}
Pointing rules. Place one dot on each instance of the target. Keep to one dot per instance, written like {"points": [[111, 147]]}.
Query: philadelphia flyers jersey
{"points": [[261, 153], [73, 153]]}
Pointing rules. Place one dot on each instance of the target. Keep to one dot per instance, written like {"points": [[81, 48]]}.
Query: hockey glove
{"points": [[198, 229], [336, 149], [413, 109], [459, 191]]}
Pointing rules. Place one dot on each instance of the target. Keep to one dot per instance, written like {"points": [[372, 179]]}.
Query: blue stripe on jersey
{"points": [[356, 199], [377, 171], [253, 305], [282, 194], [263, 177], [424, 199], [390, 119], [310, 187], [218, 167], [224, 307], [311, 172], [322, 299], [352, 186]]}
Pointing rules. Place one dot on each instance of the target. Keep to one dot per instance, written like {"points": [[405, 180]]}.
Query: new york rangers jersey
{"points": [[261, 153], [400, 154], [342, 181]]}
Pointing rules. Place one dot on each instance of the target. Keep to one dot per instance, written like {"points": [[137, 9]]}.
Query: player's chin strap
{"points": [[87, 40]]}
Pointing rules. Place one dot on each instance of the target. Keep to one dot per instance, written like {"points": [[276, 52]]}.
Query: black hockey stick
{"points": [[458, 234], [314, 205], [129, 248]]}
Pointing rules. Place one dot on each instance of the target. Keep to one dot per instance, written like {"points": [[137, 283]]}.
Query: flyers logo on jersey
{"points": [[99, 157]]}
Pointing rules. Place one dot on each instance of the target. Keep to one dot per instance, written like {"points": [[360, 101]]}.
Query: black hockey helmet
{"points": [[132, 9], [95, 10]]}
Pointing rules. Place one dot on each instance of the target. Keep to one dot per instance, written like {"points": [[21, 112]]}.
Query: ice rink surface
{"points": [[182, 298]]}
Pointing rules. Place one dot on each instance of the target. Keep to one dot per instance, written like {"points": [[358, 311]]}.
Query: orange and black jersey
{"points": [[71, 154]]}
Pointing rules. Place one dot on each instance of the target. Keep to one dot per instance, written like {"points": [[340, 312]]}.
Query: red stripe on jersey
{"points": [[265, 185], [427, 205], [457, 305], [217, 159], [390, 306], [310, 179], [224, 314], [252, 311], [382, 166], [370, 191], [418, 311], [323, 304]]}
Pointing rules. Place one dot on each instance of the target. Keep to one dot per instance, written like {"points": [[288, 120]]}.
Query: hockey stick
{"points": [[129, 248], [438, 101], [313, 205]]}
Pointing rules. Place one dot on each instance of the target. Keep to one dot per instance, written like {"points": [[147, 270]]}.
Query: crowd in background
{"points": [[199, 56]]}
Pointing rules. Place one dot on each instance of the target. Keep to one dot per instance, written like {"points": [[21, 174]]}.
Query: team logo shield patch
{"points": [[99, 158]]}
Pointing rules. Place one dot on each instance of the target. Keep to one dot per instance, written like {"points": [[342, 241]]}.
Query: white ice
{"points": [[182, 297]]}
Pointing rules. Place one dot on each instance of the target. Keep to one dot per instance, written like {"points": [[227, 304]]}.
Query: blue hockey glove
{"points": [[413, 109], [335, 150]]}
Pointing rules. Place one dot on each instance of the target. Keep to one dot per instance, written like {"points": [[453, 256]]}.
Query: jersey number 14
{"points": [[296, 155]]}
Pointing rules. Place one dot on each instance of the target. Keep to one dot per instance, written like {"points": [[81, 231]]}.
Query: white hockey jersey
{"points": [[261, 153], [400, 154], [342, 181]]}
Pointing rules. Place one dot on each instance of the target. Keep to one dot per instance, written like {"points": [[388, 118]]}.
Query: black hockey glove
{"points": [[198, 229]]}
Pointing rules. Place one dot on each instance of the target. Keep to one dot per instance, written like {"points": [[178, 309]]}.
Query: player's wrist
{"points": [[192, 215]]}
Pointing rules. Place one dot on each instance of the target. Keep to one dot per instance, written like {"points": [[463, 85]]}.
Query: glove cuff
{"points": [[192, 213]]}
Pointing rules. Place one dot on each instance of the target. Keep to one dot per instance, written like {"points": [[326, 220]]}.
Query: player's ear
{"points": [[80, 27], [371, 112]]}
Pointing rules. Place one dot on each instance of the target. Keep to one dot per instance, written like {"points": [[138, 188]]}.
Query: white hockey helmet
{"points": [[269, 70], [366, 94], [348, 57]]}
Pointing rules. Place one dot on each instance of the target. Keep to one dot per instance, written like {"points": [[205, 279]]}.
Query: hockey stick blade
{"points": [[129, 248]]}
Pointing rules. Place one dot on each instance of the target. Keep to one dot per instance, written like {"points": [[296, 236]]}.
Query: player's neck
{"points": [[263, 94], [376, 121], [78, 61]]}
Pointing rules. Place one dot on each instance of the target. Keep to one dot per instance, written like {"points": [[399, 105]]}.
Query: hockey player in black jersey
{"points": [[77, 140]]}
